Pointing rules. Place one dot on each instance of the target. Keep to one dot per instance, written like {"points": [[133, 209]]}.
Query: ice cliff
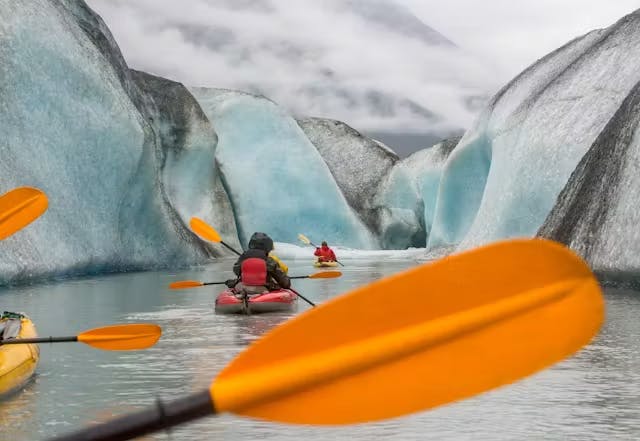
{"points": [[357, 163], [127, 158], [597, 212], [106, 145], [276, 179], [505, 175], [407, 197]]}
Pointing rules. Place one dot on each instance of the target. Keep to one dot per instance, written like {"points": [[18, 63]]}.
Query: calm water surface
{"points": [[593, 396]]}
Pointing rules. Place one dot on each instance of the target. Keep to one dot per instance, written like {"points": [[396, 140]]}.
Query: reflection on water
{"points": [[595, 395]]}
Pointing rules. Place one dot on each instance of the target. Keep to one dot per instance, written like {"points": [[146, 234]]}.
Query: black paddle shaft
{"points": [[229, 247], [20, 341], [302, 297], [222, 283], [160, 417]]}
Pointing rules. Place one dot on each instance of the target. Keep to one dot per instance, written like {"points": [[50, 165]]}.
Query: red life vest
{"points": [[254, 272]]}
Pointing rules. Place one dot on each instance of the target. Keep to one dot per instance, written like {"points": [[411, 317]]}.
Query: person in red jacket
{"points": [[325, 254]]}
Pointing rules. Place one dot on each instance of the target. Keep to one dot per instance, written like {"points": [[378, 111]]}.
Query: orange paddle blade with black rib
{"points": [[437, 333], [434, 334], [111, 338]]}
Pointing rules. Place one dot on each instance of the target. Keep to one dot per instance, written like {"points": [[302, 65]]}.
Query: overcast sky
{"points": [[318, 58], [511, 34]]}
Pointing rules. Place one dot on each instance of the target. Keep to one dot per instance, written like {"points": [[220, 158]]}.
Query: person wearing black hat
{"points": [[256, 271]]}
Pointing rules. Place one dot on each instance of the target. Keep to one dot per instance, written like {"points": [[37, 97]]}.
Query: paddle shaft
{"points": [[222, 283], [160, 417], [19, 341], [229, 247], [302, 297]]}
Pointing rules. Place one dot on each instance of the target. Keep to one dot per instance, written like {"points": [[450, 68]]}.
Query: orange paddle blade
{"points": [[185, 284], [204, 230], [434, 334], [326, 275], [20, 207], [122, 337]]}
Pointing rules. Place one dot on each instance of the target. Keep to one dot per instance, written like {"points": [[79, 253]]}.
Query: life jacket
{"points": [[253, 272], [280, 263], [326, 253]]}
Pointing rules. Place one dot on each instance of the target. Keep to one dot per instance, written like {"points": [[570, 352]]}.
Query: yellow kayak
{"points": [[325, 264], [17, 362]]}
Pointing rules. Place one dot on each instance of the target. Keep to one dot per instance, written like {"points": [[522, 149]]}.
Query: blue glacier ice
{"points": [[127, 158], [77, 124], [276, 179], [357, 163], [407, 197], [189, 174], [505, 175]]}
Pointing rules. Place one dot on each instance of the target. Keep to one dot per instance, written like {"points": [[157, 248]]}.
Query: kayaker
{"points": [[251, 272], [325, 254]]}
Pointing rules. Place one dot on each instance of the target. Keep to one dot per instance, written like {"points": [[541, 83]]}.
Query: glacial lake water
{"points": [[592, 396]]}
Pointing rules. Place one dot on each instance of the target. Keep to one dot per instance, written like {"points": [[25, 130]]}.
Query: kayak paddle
{"points": [[111, 338], [19, 207], [194, 283], [321, 275], [304, 239], [206, 231], [434, 334]]}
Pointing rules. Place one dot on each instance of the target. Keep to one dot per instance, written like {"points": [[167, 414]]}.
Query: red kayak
{"points": [[228, 302]]}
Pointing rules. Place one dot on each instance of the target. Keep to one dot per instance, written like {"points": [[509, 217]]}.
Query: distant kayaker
{"points": [[256, 270], [325, 254]]}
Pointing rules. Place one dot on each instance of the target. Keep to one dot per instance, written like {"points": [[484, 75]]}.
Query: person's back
{"points": [[259, 247], [253, 272], [325, 254]]}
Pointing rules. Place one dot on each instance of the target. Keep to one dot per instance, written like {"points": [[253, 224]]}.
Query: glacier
{"points": [[357, 163], [264, 162], [77, 124], [407, 197], [191, 180], [597, 212], [127, 158], [505, 175]]}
